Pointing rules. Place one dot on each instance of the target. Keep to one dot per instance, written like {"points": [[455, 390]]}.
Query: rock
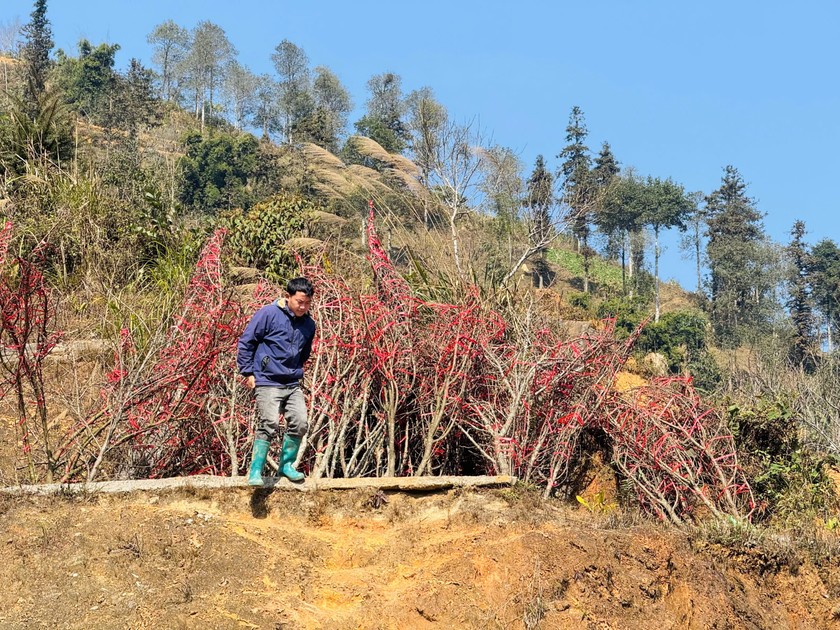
{"points": [[655, 364], [244, 275], [303, 244]]}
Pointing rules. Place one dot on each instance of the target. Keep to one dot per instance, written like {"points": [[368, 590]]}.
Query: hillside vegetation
{"points": [[474, 318]]}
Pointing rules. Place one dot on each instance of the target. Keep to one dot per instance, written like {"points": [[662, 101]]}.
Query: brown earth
{"points": [[355, 559]]}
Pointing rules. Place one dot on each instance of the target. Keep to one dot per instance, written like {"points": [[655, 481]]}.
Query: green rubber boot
{"points": [[291, 446], [257, 462]]}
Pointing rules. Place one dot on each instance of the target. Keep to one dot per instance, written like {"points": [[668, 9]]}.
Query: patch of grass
{"points": [[606, 274], [755, 548]]}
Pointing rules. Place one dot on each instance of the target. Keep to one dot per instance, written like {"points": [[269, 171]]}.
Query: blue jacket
{"points": [[275, 345]]}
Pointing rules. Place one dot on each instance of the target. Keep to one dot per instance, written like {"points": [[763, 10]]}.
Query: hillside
{"points": [[353, 559]]}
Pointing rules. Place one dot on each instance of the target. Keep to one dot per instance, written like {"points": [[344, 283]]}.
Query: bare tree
{"points": [[171, 42], [295, 91], [426, 118], [456, 160], [10, 44], [211, 51], [241, 92]]}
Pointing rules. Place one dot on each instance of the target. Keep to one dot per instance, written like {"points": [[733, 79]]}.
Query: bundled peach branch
{"points": [[402, 386], [27, 336], [176, 408]]}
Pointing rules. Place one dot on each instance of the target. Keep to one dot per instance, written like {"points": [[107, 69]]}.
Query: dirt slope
{"points": [[464, 559]]}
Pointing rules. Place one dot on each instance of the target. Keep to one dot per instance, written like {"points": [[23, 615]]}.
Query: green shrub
{"points": [[257, 238], [580, 300], [606, 275], [790, 482], [628, 313]]}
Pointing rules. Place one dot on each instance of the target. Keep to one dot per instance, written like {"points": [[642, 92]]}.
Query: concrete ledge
{"points": [[405, 484]]}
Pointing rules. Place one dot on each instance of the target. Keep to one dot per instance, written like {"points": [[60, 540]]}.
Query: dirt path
{"points": [[463, 559]]}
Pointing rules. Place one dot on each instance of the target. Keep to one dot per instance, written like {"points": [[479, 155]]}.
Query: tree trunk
{"points": [[455, 249], [656, 272], [697, 256], [624, 264]]}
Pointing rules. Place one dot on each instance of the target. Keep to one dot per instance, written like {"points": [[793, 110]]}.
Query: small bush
{"points": [[257, 238], [790, 482]]}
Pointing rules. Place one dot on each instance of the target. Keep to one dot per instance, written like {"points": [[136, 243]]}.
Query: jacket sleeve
{"points": [[246, 348], [307, 348]]}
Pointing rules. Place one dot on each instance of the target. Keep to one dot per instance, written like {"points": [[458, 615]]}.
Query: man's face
{"points": [[299, 303]]}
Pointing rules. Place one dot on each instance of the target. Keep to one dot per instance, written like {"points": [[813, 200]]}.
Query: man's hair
{"points": [[300, 285]]}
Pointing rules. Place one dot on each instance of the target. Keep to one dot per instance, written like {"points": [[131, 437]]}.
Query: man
{"points": [[270, 355]]}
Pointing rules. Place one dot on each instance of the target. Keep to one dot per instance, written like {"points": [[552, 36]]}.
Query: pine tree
{"points": [[619, 214], [739, 280], [577, 183], [606, 166], [824, 281], [799, 301], [36, 52], [539, 200], [604, 174]]}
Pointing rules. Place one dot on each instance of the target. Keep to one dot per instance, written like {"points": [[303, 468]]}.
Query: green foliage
{"points": [[36, 52], [597, 504], [823, 270], [33, 134], [740, 260], [390, 135], [628, 313], [682, 338], [790, 482], [581, 300], [89, 230], [606, 275], [157, 224], [799, 302], [88, 81], [216, 171], [383, 121], [257, 237]]}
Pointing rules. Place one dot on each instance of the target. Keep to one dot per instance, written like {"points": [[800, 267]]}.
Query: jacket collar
{"points": [[281, 304]]}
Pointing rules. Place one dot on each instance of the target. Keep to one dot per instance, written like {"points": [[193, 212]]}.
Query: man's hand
{"points": [[250, 382]]}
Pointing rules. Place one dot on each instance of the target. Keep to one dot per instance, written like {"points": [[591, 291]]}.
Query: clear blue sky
{"points": [[679, 89]]}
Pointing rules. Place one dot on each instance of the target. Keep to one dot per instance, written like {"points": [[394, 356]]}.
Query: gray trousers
{"points": [[271, 402]]}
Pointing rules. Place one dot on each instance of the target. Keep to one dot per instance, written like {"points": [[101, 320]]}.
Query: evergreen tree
{"points": [[606, 166], [739, 283], [604, 174], [215, 172], [824, 280], [538, 202], [799, 301], [578, 186], [136, 103], [620, 209], [89, 82], [35, 54]]}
